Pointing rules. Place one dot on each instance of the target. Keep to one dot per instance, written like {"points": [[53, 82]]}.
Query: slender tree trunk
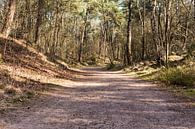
{"points": [[11, 9], [168, 4], [101, 40], [154, 23], [81, 44], [128, 45], [186, 33], [38, 20], [83, 35], [142, 19], [143, 33], [28, 20]]}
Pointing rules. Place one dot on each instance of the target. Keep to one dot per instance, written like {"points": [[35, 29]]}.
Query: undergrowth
{"points": [[114, 66], [183, 76], [179, 78]]}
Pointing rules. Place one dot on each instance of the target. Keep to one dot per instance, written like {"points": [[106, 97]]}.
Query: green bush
{"points": [[110, 66], [178, 76]]}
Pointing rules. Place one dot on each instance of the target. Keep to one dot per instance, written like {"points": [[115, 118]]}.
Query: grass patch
{"points": [[180, 80], [146, 74], [181, 76], [190, 93], [178, 76]]}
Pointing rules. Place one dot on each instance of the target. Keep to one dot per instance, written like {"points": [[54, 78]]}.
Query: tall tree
{"points": [[9, 17], [128, 44], [167, 12], [142, 19], [38, 19]]}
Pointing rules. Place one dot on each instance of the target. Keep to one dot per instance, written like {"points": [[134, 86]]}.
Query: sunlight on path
{"points": [[103, 100]]}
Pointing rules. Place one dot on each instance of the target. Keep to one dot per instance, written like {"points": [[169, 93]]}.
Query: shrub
{"points": [[178, 76], [114, 66], [110, 66]]}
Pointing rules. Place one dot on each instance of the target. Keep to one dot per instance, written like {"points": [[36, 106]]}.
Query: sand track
{"points": [[103, 100]]}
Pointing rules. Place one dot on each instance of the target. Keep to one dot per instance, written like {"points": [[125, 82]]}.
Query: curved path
{"points": [[103, 100]]}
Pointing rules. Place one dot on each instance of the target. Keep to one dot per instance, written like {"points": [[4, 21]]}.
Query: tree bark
{"points": [[167, 9], [154, 26], [142, 19], [128, 45], [11, 9], [38, 20], [83, 37]]}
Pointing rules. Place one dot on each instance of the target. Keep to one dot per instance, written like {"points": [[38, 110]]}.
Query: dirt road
{"points": [[103, 100]]}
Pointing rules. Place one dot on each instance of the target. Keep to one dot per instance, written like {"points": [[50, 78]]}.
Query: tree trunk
{"points": [[186, 33], [154, 26], [168, 4], [128, 45], [142, 19], [83, 35], [11, 9], [28, 20], [38, 20]]}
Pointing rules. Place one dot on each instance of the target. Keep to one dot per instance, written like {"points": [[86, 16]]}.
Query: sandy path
{"points": [[103, 100]]}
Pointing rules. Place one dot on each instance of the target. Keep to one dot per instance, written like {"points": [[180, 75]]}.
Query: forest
{"points": [[81, 31], [76, 58]]}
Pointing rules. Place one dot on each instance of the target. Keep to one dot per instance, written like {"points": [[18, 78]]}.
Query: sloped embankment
{"points": [[23, 70]]}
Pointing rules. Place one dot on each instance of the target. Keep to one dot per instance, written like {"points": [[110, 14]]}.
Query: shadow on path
{"points": [[103, 100]]}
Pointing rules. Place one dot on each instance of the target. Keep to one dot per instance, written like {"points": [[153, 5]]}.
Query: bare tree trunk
{"points": [[142, 19], [186, 33], [128, 45], [168, 4], [143, 33], [101, 43], [28, 20], [154, 26], [38, 20], [11, 9], [83, 35], [82, 43]]}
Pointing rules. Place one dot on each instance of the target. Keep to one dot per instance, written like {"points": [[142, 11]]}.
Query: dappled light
{"points": [[97, 64], [99, 101]]}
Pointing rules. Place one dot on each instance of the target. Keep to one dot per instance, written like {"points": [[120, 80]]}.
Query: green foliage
{"points": [[190, 92], [110, 66], [114, 66], [178, 76], [191, 50], [92, 60]]}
